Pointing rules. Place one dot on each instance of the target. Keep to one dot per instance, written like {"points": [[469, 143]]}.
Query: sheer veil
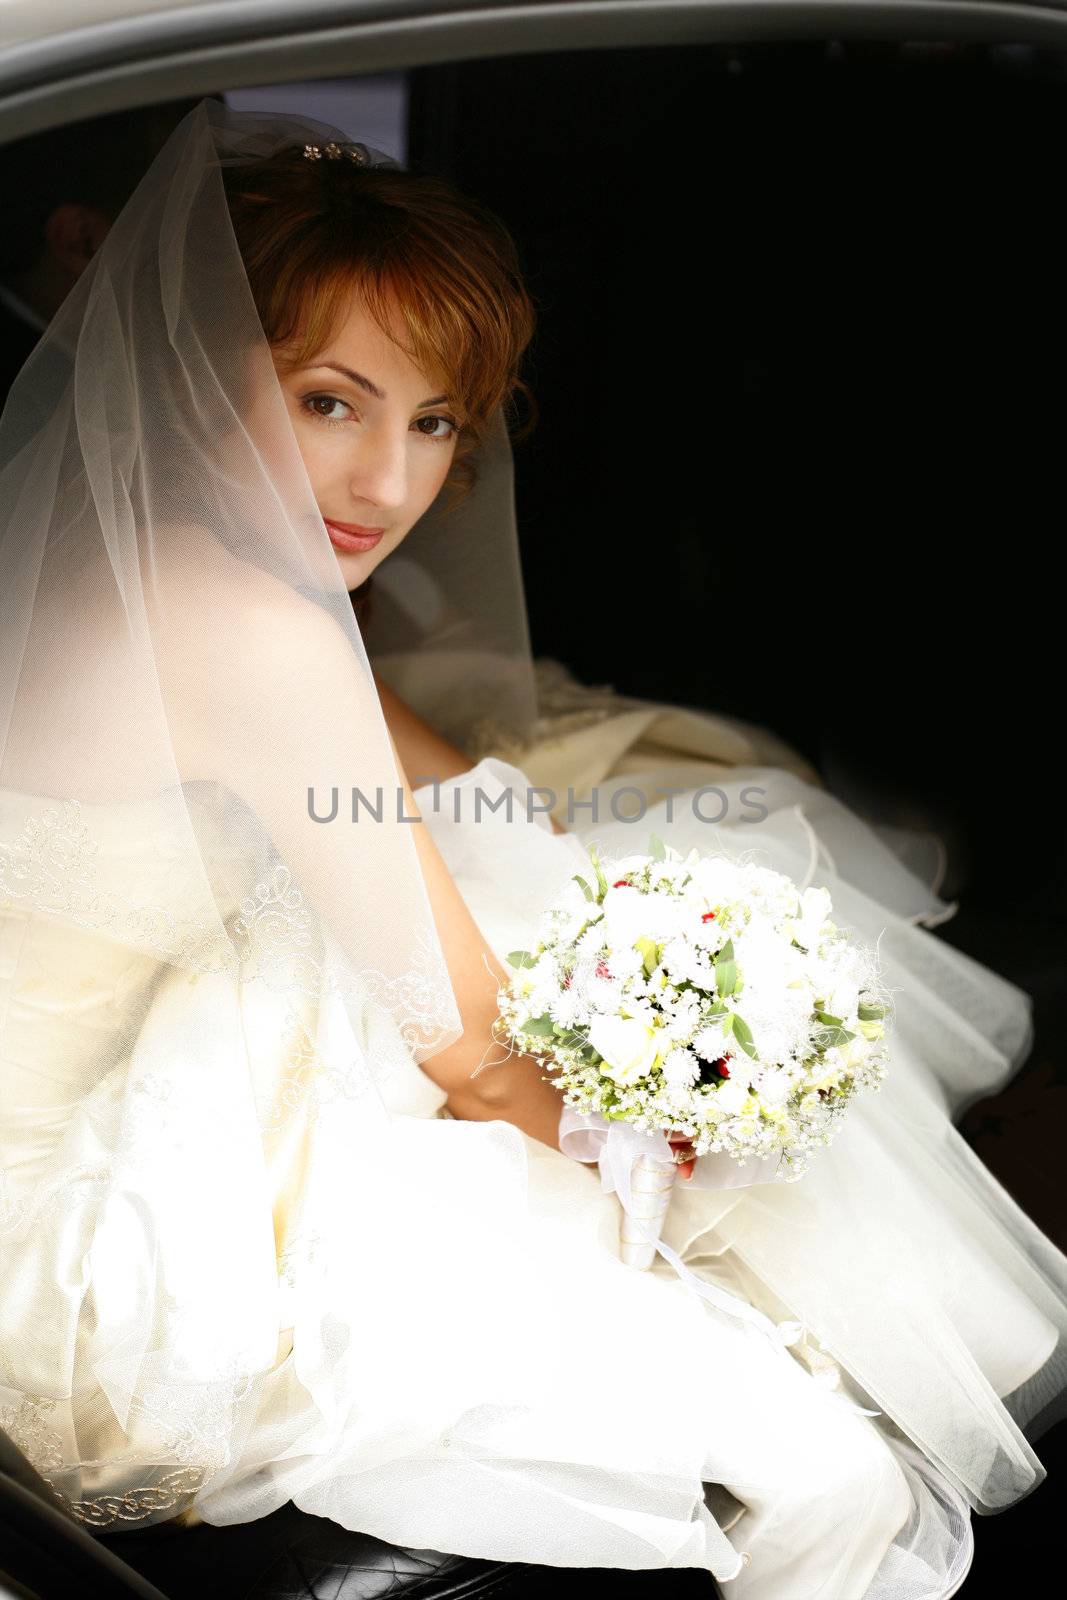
{"points": [[159, 538], [150, 475]]}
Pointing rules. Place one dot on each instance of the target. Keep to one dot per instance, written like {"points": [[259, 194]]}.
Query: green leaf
{"points": [[743, 1034], [589, 895], [832, 1036], [602, 882], [541, 1027], [726, 970], [522, 958], [655, 848], [869, 1013], [649, 954], [833, 1022]]}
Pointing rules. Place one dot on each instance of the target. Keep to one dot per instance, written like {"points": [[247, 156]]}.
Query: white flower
{"points": [[630, 915], [623, 866], [567, 1007], [774, 1087], [591, 942], [806, 927], [680, 1069], [625, 962], [683, 1015], [684, 960], [843, 1000], [627, 1045], [816, 905], [711, 1042], [719, 878], [731, 1094]]}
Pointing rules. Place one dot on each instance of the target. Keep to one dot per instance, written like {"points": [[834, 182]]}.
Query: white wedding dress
{"points": [[438, 1344]]}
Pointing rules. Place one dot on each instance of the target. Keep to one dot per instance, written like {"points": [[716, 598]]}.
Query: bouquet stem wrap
{"points": [[651, 1185], [623, 1152]]}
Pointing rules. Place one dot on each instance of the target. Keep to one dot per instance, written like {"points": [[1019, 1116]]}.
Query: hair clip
{"points": [[334, 151]]}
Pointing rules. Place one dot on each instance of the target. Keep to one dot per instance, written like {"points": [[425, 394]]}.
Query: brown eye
{"points": [[441, 438], [312, 402]]}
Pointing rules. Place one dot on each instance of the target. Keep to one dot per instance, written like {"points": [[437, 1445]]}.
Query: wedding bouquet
{"points": [[700, 994]]}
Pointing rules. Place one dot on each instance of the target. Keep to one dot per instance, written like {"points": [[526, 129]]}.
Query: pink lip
{"points": [[350, 536]]}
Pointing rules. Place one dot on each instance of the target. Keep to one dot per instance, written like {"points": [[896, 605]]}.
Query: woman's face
{"points": [[377, 437]]}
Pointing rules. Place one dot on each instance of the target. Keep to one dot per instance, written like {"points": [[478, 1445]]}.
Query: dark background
{"points": [[800, 368], [800, 364]]}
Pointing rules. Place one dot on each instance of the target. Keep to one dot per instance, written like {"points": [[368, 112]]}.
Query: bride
{"points": [[277, 1221]]}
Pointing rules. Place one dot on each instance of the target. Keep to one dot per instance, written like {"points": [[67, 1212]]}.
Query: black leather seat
{"points": [[291, 1555]]}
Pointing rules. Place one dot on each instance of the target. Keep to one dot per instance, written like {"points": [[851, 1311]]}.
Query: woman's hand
{"points": [[677, 1141], [682, 1141]]}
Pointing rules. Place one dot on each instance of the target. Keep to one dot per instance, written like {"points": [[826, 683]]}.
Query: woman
{"points": [[245, 1261]]}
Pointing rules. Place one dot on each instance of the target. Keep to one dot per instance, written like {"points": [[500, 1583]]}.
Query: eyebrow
{"points": [[372, 388]]}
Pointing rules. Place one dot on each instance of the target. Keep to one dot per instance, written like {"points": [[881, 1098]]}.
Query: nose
{"points": [[379, 475]]}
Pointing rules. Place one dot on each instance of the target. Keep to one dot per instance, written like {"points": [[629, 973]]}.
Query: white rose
{"points": [[816, 905], [731, 1094], [622, 867], [627, 1045], [626, 916]]}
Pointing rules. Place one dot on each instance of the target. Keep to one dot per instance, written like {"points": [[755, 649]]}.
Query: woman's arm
{"points": [[249, 724], [515, 1090], [423, 752]]}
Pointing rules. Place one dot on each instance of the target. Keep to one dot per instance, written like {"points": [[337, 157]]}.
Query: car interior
{"points": [[801, 342]]}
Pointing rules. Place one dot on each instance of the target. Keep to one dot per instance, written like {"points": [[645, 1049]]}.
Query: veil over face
{"points": [[151, 479]]}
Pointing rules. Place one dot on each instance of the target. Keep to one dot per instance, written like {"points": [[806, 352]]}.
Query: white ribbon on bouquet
{"points": [[618, 1148]]}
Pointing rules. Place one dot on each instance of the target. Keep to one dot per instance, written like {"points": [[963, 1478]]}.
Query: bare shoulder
{"points": [[234, 645], [246, 613]]}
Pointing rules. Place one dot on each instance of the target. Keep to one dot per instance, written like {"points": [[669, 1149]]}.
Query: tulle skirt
{"points": [[488, 1378]]}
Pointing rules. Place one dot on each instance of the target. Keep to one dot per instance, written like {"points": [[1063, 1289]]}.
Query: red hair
{"points": [[310, 232]]}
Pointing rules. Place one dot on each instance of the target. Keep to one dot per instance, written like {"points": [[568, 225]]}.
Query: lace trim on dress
{"points": [[136, 1504], [27, 1426], [52, 867], [283, 947]]}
